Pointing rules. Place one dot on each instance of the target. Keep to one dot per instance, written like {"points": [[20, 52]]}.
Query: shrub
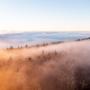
{"points": [[26, 46], [11, 47]]}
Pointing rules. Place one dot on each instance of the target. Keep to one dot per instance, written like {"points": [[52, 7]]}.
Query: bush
{"points": [[26, 46], [11, 47]]}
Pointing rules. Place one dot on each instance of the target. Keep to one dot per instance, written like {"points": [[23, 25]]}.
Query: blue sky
{"points": [[44, 15]]}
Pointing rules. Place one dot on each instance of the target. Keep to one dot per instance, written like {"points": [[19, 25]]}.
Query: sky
{"points": [[44, 15]]}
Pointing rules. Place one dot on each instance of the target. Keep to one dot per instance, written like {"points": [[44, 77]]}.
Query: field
{"points": [[60, 66]]}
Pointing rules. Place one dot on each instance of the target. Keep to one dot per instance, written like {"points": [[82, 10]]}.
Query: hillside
{"points": [[64, 66]]}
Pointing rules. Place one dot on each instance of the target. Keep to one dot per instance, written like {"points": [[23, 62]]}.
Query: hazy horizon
{"points": [[22, 32], [44, 15]]}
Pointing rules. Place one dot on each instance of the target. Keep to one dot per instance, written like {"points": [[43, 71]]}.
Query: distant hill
{"points": [[41, 37]]}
